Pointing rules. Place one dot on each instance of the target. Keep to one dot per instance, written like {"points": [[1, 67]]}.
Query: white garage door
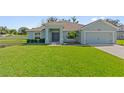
{"points": [[99, 37]]}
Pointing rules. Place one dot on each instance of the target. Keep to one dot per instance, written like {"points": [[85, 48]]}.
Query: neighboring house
{"points": [[98, 32], [120, 32]]}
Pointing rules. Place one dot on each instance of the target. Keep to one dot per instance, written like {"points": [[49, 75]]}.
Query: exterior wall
{"points": [[50, 36], [42, 34], [120, 35], [115, 37], [31, 35], [82, 37], [99, 26], [79, 37], [61, 35]]}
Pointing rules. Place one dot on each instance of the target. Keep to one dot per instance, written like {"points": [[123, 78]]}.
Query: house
{"points": [[97, 32], [120, 32]]}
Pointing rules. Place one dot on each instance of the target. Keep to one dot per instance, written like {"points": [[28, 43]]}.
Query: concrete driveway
{"points": [[116, 50]]}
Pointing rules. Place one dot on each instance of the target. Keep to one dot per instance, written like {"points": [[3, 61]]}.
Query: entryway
{"points": [[55, 36]]}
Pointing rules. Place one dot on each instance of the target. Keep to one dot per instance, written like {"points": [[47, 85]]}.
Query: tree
{"points": [[65, 20], [13, 31], [52, 19], [22, 30], [74, 19], [72, 35], [3, 30], [115, 22]]}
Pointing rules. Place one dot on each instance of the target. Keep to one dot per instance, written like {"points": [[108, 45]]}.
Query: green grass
{"points": [[12, 41], [18, 39], [120, 42], [36, 60]]}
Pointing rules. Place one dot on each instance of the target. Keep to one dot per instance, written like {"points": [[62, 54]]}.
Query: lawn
{"points": [[120, 42], [70, 61], [12, 41], [18, 39]]}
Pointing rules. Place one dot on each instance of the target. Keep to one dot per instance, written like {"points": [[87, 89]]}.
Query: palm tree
{"points": [[52, 19], [74, 20], [3, 30]]}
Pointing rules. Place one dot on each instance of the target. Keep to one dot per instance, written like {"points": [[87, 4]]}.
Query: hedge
{"points": [[35, 40]]}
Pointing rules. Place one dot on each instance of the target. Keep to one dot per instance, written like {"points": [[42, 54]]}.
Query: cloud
{"points": [[94, 19], [102, 18]]}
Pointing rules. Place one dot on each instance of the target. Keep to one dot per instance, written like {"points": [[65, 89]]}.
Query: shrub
{"points": [[28, 40], [72, 35], [32, 40], [36, 40], [42, 40]]}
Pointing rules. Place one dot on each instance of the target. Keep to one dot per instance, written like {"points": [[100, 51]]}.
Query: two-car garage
{"points": [[99, 32], [95, 37]]}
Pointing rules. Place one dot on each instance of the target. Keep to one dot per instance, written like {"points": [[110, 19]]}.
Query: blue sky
{"points": [[15, 22]]}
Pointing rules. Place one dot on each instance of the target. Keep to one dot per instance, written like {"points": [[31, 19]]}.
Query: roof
{"points": [[67, 26], [41, 28], [102, 21]]}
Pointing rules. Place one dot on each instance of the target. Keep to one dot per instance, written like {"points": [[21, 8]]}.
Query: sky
{"points": [[15, 22]]}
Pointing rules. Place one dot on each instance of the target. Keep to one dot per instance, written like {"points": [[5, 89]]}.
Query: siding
{"points": [[99, 25], [31, 35], [82, 37]]}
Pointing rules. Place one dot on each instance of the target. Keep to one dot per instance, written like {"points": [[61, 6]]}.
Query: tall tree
{"points": [[65, 20], [3, 30], [74, 19], [13, 31], [115, 22], [52, 19], [22, 30]]}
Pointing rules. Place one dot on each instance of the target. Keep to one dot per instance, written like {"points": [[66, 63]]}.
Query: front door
{"points": [[55, 36]]}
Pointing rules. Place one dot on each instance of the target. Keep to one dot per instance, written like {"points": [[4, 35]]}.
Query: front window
{"points": [[72, 35], [37, 35]]}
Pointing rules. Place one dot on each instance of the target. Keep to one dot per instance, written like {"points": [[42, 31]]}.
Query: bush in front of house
{"points": [[42, 40], [36, 40], [28, 40]]}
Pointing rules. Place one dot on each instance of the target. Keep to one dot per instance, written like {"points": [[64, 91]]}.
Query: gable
{"points": [[100, 25]]}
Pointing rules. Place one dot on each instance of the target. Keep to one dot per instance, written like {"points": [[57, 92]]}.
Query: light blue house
{"points": [[97, 32]]}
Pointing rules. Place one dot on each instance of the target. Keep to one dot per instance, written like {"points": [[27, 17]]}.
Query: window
{"points": [[72, 35], [122, 36], [37, 35]]}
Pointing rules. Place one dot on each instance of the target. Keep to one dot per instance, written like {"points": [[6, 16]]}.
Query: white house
{"points": [[97, 32]]}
